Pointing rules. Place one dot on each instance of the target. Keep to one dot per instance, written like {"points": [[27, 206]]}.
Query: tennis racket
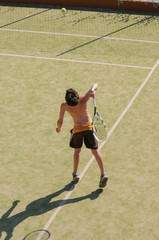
{"points": [[99, 126], [40, 234]]}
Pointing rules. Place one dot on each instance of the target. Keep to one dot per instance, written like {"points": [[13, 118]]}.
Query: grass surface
{"points": [[36, 163]]}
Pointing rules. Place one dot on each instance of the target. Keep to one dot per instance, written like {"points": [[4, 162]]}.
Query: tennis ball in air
{"points": [[63, 10]]}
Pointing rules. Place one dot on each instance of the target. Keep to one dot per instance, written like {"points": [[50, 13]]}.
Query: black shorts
{"points": [[86, 136]]}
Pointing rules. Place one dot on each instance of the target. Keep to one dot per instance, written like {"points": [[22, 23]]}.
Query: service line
{"points": [[72, 60]]}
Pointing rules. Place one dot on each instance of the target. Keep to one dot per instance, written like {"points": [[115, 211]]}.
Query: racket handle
{"points": [[94, 102]]}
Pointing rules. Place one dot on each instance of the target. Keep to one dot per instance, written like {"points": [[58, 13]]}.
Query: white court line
{"points": [[100, 147], [73, 60], [77, 35]]}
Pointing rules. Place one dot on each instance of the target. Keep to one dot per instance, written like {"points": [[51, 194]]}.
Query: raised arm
{"points": [[61, 116], [90, 93], [93, 89]]}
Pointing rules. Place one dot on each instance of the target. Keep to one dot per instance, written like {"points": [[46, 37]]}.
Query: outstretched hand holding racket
{"points": [[100, 130]]}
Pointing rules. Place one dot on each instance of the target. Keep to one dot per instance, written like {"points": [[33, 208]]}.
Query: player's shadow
{"points": [[38, 207]]}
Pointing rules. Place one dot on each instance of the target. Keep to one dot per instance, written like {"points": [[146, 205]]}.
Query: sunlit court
{"points": [[45, 50]]}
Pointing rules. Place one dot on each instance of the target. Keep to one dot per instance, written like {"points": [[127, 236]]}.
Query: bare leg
{"points": [[99, 159], [76, 159]]}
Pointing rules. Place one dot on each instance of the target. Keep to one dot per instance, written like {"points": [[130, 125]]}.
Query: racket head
{"points": [[100, 129], [40, 234]]}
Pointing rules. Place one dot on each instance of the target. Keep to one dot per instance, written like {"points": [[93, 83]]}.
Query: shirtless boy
{"points": [[83, 130]]}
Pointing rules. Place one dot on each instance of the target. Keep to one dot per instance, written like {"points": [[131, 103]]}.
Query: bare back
{"points": [[79, 113]]}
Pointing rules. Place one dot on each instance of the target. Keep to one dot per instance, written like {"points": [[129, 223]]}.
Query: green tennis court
{"points": [[42, 53]]}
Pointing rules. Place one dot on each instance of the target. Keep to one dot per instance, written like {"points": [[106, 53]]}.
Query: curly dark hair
{"points": [[72, 97]]}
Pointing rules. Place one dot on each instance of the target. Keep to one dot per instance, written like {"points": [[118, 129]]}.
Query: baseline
{"points": [[78, 35]]}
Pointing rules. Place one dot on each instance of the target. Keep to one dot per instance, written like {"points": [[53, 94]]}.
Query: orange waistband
{"points": [[82, 128]]}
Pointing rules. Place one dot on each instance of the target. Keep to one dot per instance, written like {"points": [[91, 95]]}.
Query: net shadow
{"points": [[25, 18], [104, 36]]}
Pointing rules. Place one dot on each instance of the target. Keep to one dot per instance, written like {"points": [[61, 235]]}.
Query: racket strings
{"points": [[99, 127], [38, 235]]}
